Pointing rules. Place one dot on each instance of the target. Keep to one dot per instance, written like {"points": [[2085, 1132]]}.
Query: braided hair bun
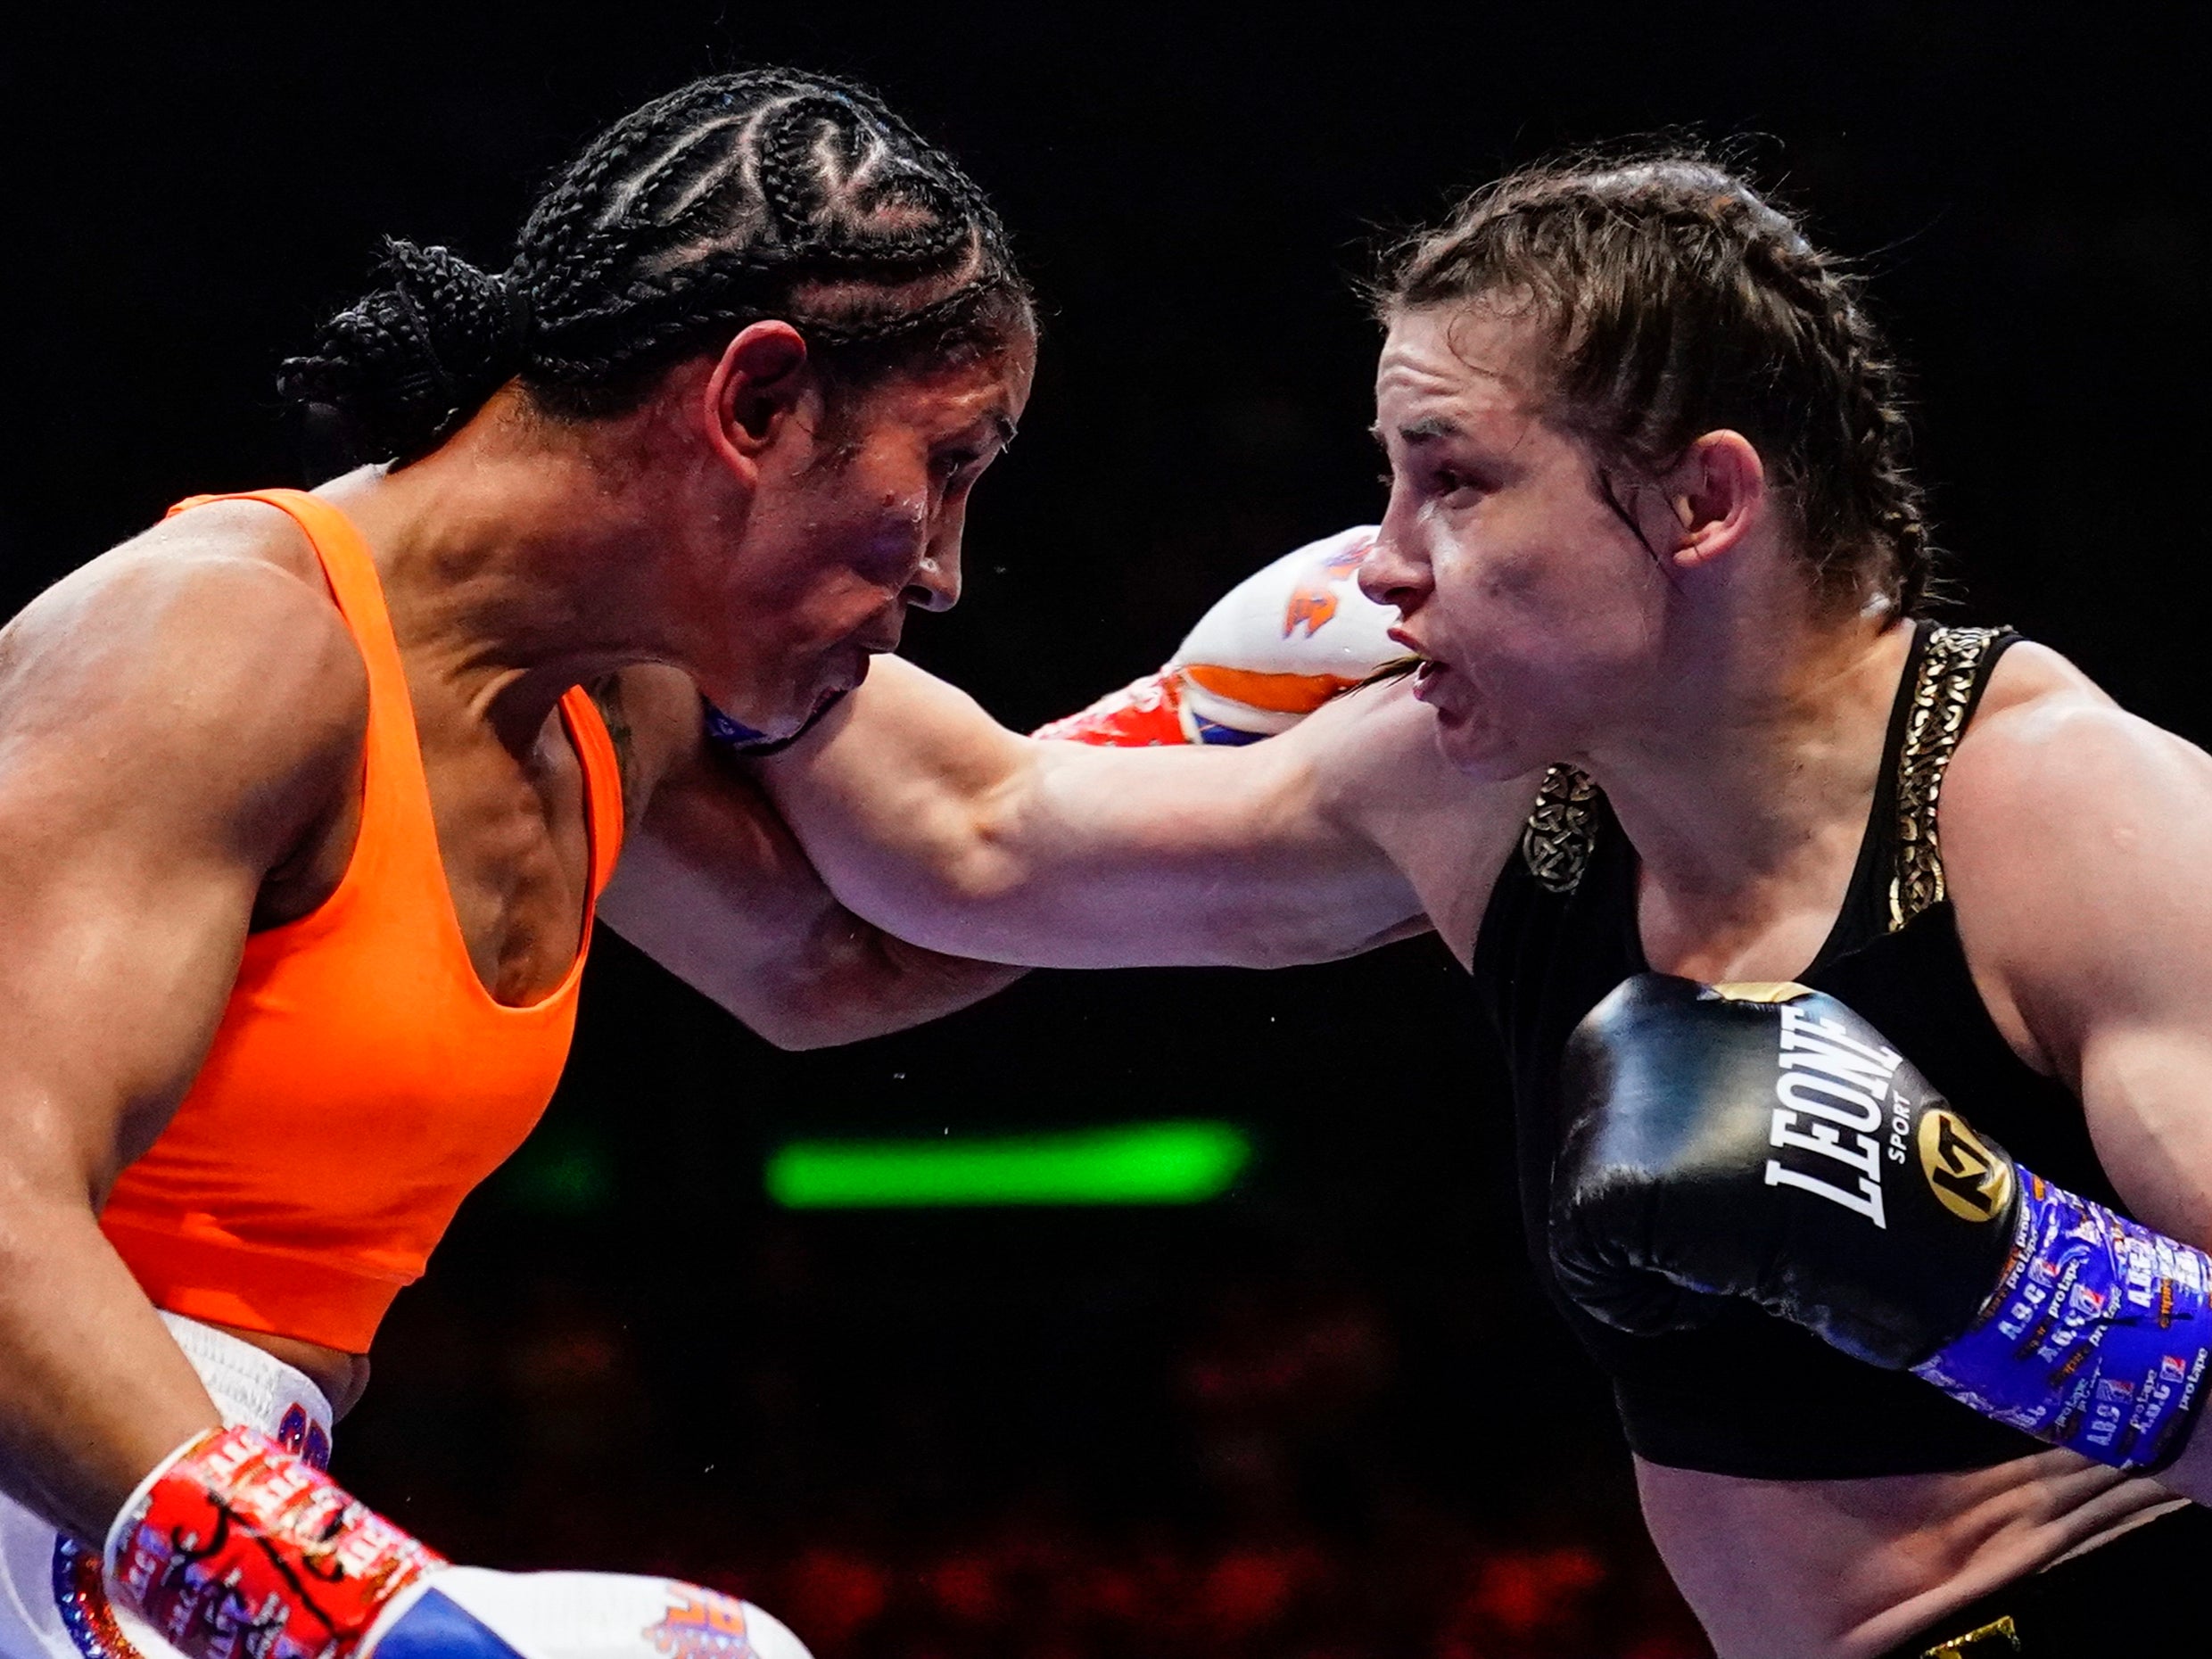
{"points": [[406, 364], [735, 198]]}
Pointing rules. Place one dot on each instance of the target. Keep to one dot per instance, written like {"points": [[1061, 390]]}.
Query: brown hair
{"points": [[1678, 302]]}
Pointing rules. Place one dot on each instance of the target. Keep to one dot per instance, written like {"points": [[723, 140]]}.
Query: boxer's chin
{"points": [[756, 745], [798, 709], [1477, 744], [823, 703], [834, 677]]}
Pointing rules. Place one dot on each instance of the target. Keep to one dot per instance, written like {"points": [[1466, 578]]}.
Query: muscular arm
{"points": [[2077, 840], [712, 887], [172, 720], [934, 821]]}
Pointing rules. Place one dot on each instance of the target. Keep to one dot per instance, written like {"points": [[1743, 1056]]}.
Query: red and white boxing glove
{"points": [[1273, 649], [235, 1549]]}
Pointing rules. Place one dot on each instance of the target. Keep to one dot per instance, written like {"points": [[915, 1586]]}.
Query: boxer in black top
{"points": [[1652, 535]]}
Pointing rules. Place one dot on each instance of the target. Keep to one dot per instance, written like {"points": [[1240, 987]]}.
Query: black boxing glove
{"points": [[1719, 1145], [1763, 1142]]}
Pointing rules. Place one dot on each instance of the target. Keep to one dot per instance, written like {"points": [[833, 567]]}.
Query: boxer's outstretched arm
{"points": [[170, 728], [929, 819], [712, 887]]}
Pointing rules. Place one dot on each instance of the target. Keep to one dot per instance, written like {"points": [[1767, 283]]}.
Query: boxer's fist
{"points": [[1274, 648], [236, 1546], [1769, 1144]]}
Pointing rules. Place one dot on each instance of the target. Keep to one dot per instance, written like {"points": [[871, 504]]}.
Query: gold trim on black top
{"points": [[1942, 694], [1560, 833], [2001, 1637]]}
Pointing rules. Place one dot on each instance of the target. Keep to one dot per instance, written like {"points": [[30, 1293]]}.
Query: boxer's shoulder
{"points": [[221, 549], [201, 650], [2074, 834], [2053, 767], [230, 572]]}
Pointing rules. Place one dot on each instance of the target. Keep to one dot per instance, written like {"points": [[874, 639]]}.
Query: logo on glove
{"points": [[1831, 1093], [702, 1624], [1967, 1179], [1314, 600]]}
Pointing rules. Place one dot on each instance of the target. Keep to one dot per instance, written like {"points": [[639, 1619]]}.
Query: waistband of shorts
{"points": [[2123, 1588], [250, 1388]]}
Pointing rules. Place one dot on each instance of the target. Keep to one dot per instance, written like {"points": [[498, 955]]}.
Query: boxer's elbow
{"points": [[829, 1016], [795, 1027], [860, 982]]}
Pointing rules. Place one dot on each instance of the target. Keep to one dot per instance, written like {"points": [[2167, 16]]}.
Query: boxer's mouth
{"points": [[1404, 639]]}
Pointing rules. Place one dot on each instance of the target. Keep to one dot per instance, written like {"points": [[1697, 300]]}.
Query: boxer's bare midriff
{"points": [[342, 1376], [1847, 1569]]}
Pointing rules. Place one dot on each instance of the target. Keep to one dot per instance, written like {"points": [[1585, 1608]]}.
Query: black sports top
{"points": [[1750, 1394]]}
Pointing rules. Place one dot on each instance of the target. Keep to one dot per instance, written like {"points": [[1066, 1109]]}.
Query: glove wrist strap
{"points": [[237, 1546], [2097, 1338], [1144, 713]]}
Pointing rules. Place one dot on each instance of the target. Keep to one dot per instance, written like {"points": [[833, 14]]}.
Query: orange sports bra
{"points": [[362, 1080]]}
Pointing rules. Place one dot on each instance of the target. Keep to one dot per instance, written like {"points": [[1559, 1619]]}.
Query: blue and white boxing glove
{"points": [[234, 1546], [1765, 1143], [1269, 652]]}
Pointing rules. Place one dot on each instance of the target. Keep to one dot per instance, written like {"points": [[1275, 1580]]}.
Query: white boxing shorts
{"points": [[52, 1606]]}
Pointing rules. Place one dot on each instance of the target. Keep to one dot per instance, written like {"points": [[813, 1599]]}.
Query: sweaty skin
{"points": [[1676, 651], [181, 724]]}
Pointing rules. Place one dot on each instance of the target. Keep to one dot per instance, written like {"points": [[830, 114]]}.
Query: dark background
{"points": [[1325, 1415]]}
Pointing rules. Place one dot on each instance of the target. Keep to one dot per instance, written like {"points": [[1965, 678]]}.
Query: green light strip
{"points": [[1182, 1162]]}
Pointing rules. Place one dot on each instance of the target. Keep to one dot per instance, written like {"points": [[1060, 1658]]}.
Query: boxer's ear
{"points": [[1717, 490], [761, 384]]}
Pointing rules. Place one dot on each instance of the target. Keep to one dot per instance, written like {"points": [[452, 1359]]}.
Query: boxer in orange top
{"points": [[307, 802]]}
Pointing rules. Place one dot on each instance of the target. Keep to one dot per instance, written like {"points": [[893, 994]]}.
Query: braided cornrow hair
{"points": [[1680, 301], [768, 193]]}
